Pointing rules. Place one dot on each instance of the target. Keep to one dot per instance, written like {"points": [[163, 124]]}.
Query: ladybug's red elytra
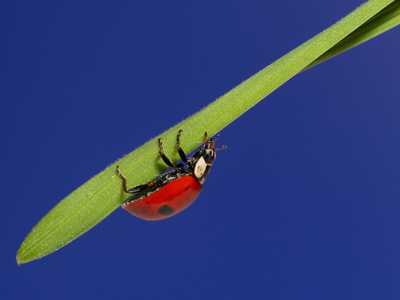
{"points": [[176, 190]]}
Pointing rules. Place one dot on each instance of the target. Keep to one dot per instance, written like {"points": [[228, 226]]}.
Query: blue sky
{"points": [[304, 203]]}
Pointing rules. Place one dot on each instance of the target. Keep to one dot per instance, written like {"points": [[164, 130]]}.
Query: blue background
{"points": [[305, 203]]}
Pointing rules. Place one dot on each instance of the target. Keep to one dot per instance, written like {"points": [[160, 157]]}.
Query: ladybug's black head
{"points": [[203, 159]]}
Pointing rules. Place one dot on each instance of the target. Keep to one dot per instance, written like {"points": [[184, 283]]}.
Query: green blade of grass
{"points": [[386, 19], [102, 194]]}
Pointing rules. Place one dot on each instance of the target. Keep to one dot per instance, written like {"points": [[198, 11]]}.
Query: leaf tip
{"points": [[19, 260], [22, 256]]}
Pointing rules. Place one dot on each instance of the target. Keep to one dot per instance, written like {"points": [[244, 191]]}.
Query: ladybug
{"points": [[176, 190]]}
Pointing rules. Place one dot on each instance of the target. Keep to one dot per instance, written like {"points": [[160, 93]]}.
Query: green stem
{"points": [[101, 195]]}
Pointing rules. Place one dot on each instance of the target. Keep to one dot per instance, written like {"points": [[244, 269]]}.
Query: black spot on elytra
{"points": [[166, 210]]}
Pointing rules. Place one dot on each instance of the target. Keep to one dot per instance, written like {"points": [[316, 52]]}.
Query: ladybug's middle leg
{"points": [[163, 156], [182, 154]]}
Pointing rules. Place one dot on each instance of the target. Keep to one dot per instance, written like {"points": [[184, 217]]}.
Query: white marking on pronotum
{"points": [[200, 168]]}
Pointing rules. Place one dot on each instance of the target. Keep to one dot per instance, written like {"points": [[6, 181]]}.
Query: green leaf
{"points": [[101, 195], [384, 20]]}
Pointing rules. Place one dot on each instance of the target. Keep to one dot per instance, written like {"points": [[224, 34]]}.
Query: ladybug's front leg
{"points": [[135, 189]]}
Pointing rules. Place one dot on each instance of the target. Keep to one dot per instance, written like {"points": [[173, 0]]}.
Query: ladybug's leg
{"points": [[207, 140], [163, 156], [182, 154], [135, 189]]}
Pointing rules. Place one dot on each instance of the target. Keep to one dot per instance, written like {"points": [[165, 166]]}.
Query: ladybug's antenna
{"points": [[222, 148], [210, 143], [216, 138], [213, 143]]}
